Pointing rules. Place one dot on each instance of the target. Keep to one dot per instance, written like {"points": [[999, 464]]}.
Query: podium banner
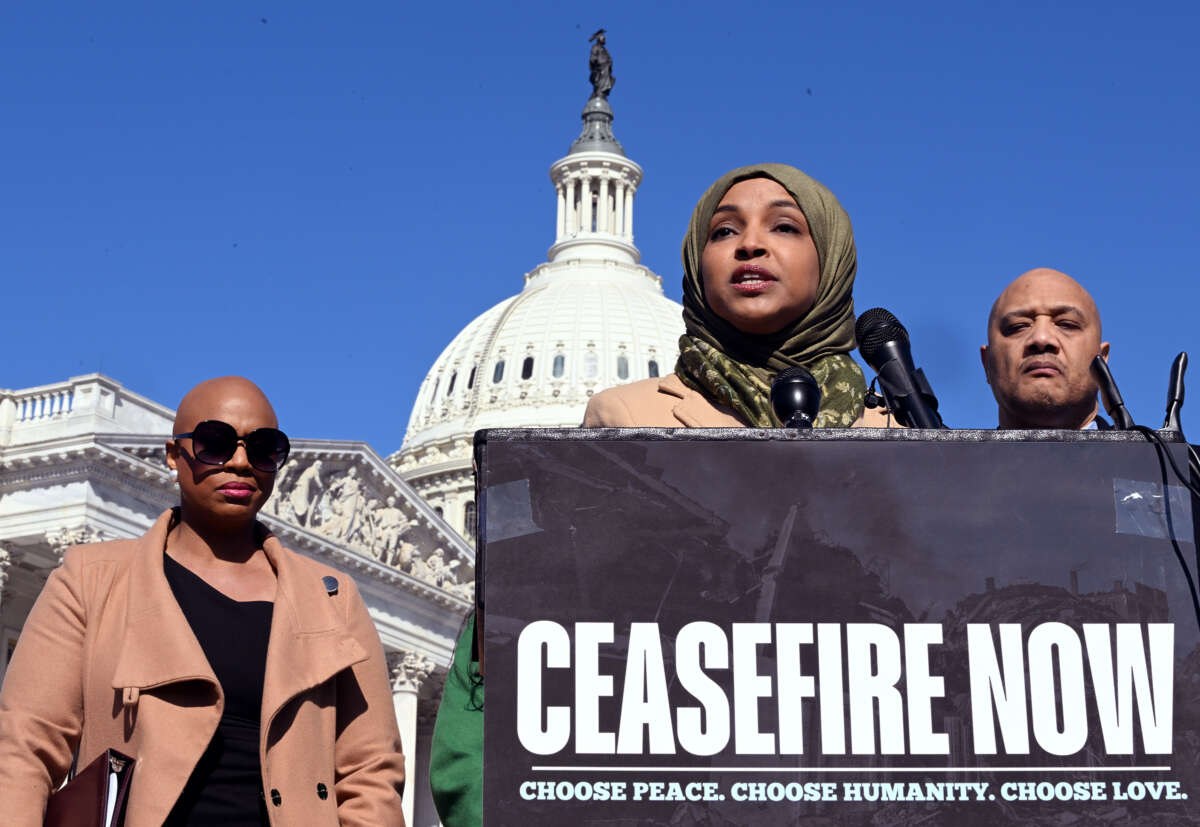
{"points": [[728, 627]]}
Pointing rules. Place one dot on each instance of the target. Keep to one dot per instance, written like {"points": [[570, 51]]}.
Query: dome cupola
{"points": [[588, 318]]}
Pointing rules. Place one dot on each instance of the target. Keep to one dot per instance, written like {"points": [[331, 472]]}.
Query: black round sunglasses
{"points": [[215, 442]]}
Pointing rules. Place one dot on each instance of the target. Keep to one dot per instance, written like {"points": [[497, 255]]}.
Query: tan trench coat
{"points": [[107, 659], [668, 403]]}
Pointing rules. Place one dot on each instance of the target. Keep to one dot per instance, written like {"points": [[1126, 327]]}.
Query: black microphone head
{"points": [[874, 328], [1175, 393], [795, 391], [1175, 387]]}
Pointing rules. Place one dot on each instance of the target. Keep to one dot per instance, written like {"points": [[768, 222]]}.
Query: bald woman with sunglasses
{"points": [[246, 681]]}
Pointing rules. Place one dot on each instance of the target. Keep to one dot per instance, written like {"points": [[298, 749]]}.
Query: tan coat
{"points": [[668, 403], [107, 659]]}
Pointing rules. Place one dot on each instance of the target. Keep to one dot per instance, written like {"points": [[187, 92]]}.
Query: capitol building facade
{"points": [[82, 460]]}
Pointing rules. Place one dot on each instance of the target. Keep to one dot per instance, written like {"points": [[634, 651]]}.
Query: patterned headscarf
{"points": [[734, 368]]}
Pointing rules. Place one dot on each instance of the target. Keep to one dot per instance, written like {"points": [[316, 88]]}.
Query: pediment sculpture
{"points": [[346, 505]]}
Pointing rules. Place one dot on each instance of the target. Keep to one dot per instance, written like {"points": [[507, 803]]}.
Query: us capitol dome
{"points": [[588, 318]]}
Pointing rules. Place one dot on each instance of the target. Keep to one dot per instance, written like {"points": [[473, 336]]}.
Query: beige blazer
{"points": [[107, 659], [668, 403]]}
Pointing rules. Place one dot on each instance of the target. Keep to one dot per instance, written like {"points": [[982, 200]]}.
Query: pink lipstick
{"points": [[237, 491]]}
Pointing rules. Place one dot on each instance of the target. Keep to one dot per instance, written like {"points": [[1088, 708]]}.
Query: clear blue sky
{"points": [[319, 196]]}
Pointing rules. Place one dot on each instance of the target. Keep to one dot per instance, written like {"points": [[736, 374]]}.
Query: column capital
{"points": [[408, 670], [61, 539]]}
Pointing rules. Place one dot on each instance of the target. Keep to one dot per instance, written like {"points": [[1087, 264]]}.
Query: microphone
{"points": [[1175, 394], [795, 396], [1113, 403], [883, 343]]}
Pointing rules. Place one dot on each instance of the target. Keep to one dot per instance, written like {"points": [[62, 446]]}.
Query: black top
{"points": [[225, 789]]}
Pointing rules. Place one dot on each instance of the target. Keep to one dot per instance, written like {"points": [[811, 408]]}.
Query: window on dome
{"points": [[436, 382], [622, 367], [498, 373], [450, 387], [469, 520], [591, 365], [438, 510], [471, 378], [653, 369], [560, 364], [527, 367]]}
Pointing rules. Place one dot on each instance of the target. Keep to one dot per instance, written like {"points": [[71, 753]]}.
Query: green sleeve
{"points": [[456, 756]]}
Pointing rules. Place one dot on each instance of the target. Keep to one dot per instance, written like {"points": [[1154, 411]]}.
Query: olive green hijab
{"points": [[734, 368]]}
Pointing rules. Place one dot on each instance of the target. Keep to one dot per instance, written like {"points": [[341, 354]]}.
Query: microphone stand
{"points": [[1113, 403]]}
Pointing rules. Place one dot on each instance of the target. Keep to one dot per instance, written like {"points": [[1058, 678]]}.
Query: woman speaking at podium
{"points": [[768, 263], [246, 682]]}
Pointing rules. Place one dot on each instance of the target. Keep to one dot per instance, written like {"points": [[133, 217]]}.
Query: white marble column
{"points": [[585, 202], [408, 670], [602, 218], [629, 213], [560, 220], [6, 559], [572, 209], [619, 208]]}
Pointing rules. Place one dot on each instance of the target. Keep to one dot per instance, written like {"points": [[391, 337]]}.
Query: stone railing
{"points": [[40, 403], [83, 403]]}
